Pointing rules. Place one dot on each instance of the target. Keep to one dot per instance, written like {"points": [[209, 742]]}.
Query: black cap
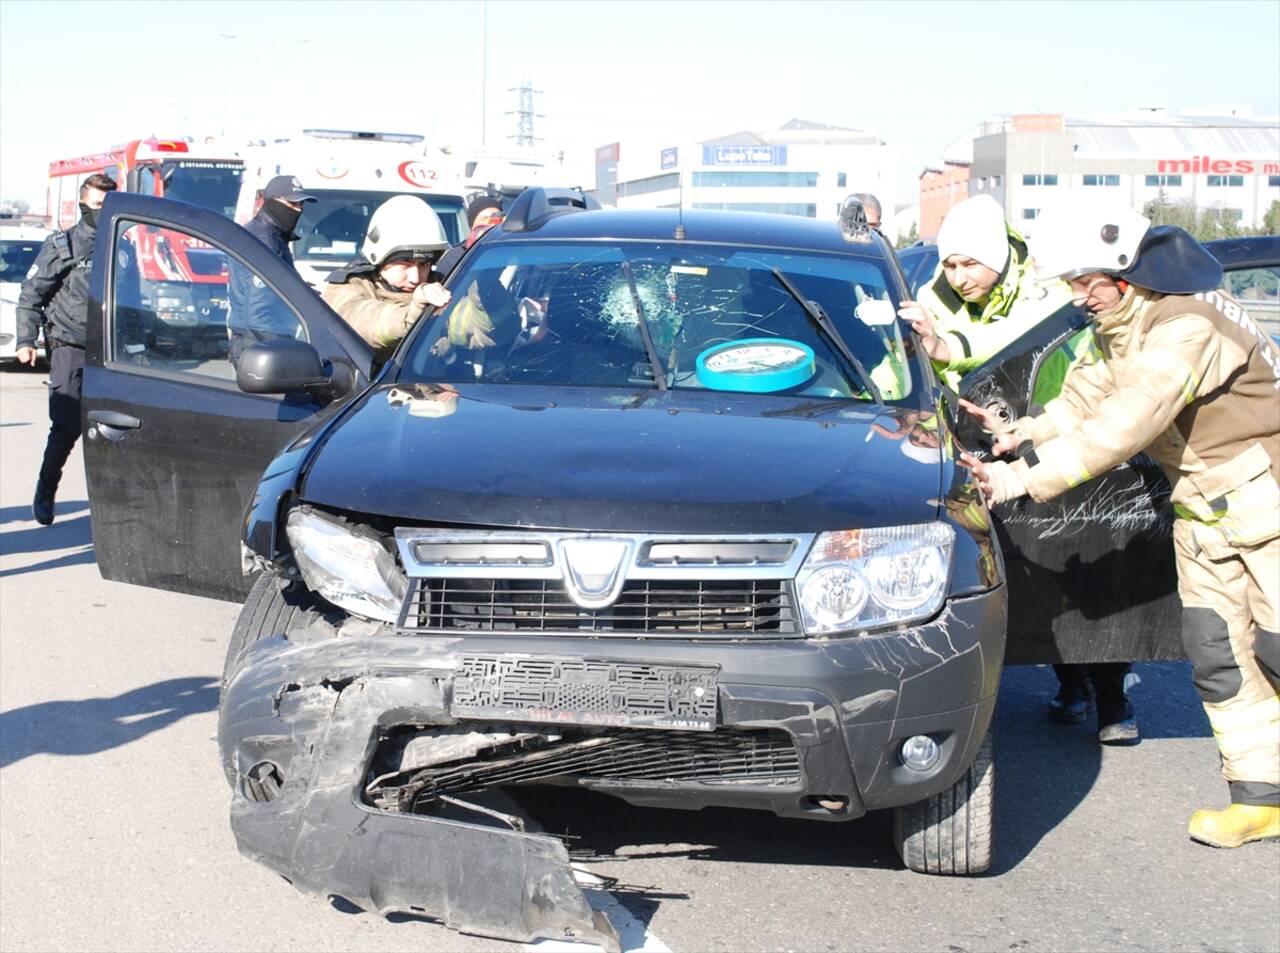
{"points": [[286, 187], [479, 204]]}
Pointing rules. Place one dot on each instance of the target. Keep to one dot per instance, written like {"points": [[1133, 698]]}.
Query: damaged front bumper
{"points": [[340, 751]]}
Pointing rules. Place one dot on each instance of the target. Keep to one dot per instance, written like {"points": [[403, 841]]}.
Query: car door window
{"points": [[1258, 289], [182, 304], [1053, 368]]}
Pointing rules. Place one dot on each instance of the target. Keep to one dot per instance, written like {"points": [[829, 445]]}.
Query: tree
{"points": [[18, 206], [910, 238], [1271, 221]]}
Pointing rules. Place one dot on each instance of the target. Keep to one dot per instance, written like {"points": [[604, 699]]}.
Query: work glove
{"points": [[431, 294], [1005, 437], [999, 482]]}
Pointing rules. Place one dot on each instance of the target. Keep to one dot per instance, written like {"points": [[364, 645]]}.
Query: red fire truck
{"points": [[183, 281]]}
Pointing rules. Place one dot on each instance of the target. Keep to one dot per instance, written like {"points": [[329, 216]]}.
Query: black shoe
{"points": [[42, 504], [1073, 703], [1116, 724]]}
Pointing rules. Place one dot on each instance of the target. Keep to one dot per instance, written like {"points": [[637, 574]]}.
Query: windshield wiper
{"points": [[658, 374], [827, 327]]}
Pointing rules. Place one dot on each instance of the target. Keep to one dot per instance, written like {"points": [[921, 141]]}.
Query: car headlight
{"points": [[352, 570], [863, 578]]}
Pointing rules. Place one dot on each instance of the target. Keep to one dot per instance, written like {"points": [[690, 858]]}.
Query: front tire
{"points": [[268, 610], [952, 832]]}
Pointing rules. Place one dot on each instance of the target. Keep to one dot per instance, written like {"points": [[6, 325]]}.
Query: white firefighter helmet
{"points": [[1086, 235], [403, 227]]}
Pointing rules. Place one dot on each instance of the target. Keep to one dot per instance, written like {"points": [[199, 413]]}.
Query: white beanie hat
{"points": [[975, 228]]}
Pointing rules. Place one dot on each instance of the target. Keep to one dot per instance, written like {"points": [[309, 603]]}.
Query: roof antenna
{"points": [[679, 236]]}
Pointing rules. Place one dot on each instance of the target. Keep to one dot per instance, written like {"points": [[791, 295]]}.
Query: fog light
{"points": [[920, 752]]}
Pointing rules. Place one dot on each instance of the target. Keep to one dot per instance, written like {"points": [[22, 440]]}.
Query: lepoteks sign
{"points": [[1203, 165]]}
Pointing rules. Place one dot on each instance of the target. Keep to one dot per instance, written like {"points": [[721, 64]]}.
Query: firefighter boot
{"points": [[1238, 824], [42, 503]]}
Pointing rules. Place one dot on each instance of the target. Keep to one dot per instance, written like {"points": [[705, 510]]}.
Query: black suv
{"points": [[662, 505]]}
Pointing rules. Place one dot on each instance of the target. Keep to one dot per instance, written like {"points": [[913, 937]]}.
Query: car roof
{"points": [[1257, 251], [700, 225], [23, 233]]}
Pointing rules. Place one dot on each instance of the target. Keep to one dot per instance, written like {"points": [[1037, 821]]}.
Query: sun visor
{"points": [[1171, 262]]}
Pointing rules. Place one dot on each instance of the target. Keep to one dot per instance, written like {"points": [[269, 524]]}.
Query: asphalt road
{"points": [[114, 833]]}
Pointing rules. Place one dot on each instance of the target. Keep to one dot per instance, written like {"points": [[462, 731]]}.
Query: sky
{"points": [[77, 77]]}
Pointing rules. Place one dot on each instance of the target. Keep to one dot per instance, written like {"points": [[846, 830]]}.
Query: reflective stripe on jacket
{"points": [[975, 333]]}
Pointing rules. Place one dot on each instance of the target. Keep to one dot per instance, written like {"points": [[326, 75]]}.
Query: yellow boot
{"points": [[1238, 824]]}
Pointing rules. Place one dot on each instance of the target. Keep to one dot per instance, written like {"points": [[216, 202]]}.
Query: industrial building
{"points": [[1229, 160]]}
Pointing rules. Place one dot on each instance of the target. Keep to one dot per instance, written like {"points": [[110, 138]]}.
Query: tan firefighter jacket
{"points": [[379, 316], [1193, 382]]}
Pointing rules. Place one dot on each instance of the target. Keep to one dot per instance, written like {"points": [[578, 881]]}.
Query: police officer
{"points": [[985, 294], [387, 289], [1187, 377], [56, 295], [257, 314]]}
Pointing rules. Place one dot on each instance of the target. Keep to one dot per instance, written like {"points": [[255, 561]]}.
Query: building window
{"points": [[795, 180], [1029, 213], [1042, 179], [1233, 214], [776, 208], [1164, 181], [982, 184], [1273, 181], [841, 180], [995, 181], [656, 183], [1102, 180], [1219, 181]]}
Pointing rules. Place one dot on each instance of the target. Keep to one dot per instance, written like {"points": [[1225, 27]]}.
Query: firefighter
{"points": [[1187, 377], [387, 289]]}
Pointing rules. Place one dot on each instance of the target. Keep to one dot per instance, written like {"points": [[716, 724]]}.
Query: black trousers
{"points": [[1107, 679], [66, 371]]}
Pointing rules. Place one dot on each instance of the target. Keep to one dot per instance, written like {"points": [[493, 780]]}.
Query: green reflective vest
{"points": [[975, 332]]}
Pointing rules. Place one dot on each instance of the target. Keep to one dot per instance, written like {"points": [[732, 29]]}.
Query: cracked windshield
{"points": [[668, 316]]}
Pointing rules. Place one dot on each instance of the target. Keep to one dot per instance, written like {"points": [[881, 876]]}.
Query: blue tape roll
{"points": [[756, 365]]}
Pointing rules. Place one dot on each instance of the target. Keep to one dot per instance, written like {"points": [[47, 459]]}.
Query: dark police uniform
{"points": [[257, 313], [56, 294]]}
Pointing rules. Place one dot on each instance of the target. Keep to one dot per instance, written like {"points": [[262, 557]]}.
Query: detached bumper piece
{"points": [[313, 737]]}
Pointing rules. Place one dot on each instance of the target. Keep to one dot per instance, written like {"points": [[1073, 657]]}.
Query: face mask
{"points": [[282, 214], [90, 215]]}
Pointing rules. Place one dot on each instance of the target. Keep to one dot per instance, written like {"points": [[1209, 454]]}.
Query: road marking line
{"points": [[633, 932]]}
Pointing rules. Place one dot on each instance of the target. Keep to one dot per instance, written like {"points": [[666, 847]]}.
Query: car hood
{"points": [[637, 461]]}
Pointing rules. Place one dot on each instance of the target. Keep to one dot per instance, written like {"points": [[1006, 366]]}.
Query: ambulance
{"points": [[351, 173]]}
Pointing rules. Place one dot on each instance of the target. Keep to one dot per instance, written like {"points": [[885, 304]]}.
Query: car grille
{"points": [[747, 608], [765, 757]]}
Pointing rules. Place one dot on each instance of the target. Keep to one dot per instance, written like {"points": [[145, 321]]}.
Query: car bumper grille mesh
{"points": [[766, 757]]}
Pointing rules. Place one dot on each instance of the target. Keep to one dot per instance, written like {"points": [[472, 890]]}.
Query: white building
{"points": [[802, 168], [1228, 161]]}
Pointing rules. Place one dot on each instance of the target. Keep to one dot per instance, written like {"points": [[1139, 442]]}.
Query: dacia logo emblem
{"points": [[594, 569]]}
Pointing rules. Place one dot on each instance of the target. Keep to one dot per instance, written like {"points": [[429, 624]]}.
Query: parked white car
{"points": [[19, 245]]}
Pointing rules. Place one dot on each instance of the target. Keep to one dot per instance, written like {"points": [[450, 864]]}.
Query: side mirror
{"points": [[282, 366]]}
